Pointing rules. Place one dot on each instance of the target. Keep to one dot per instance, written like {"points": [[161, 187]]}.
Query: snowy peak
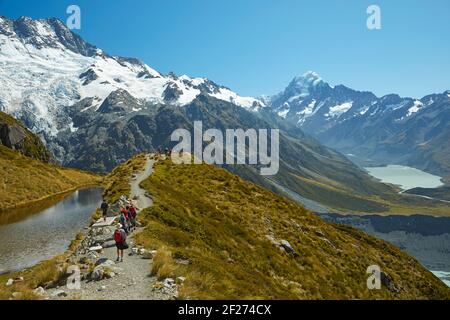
{"points": [[45, 33], [307, 80], [317, 107], [45, 67], [119, 102], [302, 86]]}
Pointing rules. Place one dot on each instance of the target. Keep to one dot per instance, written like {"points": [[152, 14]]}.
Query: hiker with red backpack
{"points": [[120, 237]]}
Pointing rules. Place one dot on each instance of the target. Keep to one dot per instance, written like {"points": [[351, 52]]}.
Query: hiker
{"points": [[132, 214], [123, 221], [104, 206], [126, 212], [120, 237]]}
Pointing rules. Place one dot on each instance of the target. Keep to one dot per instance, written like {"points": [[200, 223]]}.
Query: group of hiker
{"points": [[167, 152], [127, 223]]}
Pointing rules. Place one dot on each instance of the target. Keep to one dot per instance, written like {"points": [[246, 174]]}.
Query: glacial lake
{"points": [[405, 177], [48, 232]]}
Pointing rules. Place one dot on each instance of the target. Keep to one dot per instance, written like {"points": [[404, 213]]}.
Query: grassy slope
{"points": [[117, 182], [442, 193], [53, 270], [219, 223], [24, 180]]}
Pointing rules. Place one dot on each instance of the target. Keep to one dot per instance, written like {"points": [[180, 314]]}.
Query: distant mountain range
{"points": [[368, 129], [94, 110]]}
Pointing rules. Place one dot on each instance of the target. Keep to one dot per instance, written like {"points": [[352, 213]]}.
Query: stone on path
{"points": [[39, 291], [102, 223], [96, 249], [59, 293]]}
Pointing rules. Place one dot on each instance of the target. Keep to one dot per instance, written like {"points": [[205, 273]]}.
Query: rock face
{"points": [[14, 135]]}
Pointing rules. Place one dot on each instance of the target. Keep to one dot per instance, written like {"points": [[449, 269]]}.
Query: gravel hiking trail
{"points": [[132, 280]]}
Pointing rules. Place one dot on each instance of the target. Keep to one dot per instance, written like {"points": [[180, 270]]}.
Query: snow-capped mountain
{"points": [[377, 130], [94, 111], [43, 66]]}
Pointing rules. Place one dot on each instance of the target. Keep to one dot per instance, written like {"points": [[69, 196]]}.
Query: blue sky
{"points": [[257, 46]]}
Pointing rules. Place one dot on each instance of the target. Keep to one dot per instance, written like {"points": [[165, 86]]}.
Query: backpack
{"points": [[118, 236]]}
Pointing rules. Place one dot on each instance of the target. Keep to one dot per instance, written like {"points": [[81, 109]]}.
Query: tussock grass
{"points": [[43, 274], [163, 265], [25, 181], [218, 223], [117, 182]]}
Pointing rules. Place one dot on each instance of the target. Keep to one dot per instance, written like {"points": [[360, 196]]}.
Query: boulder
{"points": [[169, 282], [184, 262], [96, 249], [100, 239], [40, 291], [180, 280], [287, 247], [97, 273], [320, 233], [59, 293], [149, 254], [109, 244], [105, 262], [387, 281], [17, 295], [10, 282], [92, 255]]}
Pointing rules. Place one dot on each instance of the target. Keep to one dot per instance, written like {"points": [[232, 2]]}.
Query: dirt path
{"points": [[131, 280], [143, 199]]}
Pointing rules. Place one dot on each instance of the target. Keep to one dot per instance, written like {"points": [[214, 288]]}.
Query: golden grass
{"points": [[43, 274], [163, 265], [219, 223], [26, 182], [117, 182], [50, 180]]}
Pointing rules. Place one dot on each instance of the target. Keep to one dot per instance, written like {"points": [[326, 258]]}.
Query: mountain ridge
{"points": [[377, 130], [94, 112]]}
